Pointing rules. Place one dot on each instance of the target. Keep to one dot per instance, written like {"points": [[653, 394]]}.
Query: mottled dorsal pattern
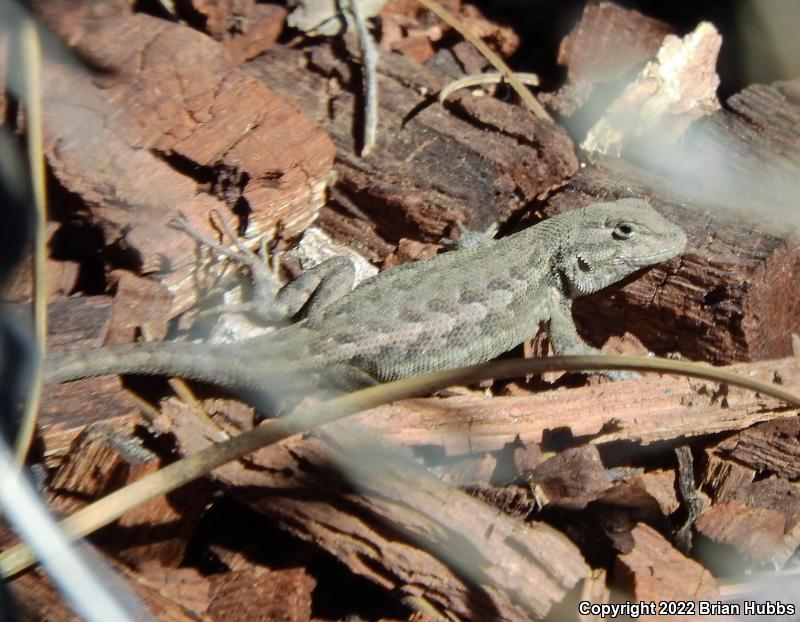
{"points": [[459, 308]]}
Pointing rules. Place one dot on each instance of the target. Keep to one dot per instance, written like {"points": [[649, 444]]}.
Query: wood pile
{"points": [[509, 501]]}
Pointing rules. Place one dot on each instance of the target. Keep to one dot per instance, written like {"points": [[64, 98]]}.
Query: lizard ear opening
{"points": [[583, 266]]}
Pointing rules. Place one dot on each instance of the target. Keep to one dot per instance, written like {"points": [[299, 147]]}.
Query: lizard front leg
{"points": [[565, 337]]}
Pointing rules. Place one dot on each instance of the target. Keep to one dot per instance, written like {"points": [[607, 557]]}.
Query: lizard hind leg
{"points": [[307, 295], [263, 276]]}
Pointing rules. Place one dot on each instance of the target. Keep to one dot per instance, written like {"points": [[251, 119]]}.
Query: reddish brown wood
{"points": [[571, 478], [102, 460], [245, 28], [395, 530], [174, 126], [655, 571], [250, 594], [644, 411], [74, 324], [41, 601], [140, 305], [731, 296], [403, 187], [759, 534], [606, 44], [722, 477], [770, 446], [660, 484]]}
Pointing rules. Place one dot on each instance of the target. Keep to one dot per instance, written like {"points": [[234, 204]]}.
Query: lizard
{"points": [[458, 308]]}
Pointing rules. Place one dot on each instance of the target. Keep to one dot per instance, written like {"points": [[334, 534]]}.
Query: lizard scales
{"points": [[459, 308]]}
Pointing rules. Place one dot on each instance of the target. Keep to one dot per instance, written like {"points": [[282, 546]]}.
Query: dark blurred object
{"points": [[15, 345]]}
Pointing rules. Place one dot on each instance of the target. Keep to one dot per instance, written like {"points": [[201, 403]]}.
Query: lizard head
{"points": [[609, 241]]}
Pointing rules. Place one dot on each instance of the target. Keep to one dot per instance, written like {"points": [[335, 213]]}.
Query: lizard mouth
{"points": [[661, 254]]}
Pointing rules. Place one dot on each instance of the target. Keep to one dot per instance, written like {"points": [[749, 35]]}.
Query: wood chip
{"points": [[172, 115], [608, 42], [667, 96], [654, 571], [645, 410]]}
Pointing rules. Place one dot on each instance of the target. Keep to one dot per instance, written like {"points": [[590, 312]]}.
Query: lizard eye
{"points": [[622, 231]]}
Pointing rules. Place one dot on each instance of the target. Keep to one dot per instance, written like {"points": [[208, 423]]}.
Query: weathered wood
{"points": [[660, 484], [572, 478], [102, 460], [401, 529], [74, 324], [758, 534], [245, 28], [771, 446], [41, 601], [655, 571], [644, 410], [606, 44], [431, 168], [721, 477], [140, 306], [261, 594], [731, 297], [173, 126]]}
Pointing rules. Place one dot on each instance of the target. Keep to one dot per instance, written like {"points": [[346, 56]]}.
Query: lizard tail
{"points": [[215, 365]]}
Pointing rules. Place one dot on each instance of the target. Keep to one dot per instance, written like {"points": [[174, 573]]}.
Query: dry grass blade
{"points": [[525, 95], [102, 512], [31, 53], [481, 79]]}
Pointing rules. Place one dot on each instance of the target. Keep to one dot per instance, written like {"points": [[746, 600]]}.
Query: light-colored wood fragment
{"points": [[644, 410], [655, 571]]}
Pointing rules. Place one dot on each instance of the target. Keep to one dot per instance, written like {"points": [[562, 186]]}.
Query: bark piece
{"points": [[62, 276], [402, 529], [731, 296], [74, 324], [572, 478], [608, 42], [185, 586], [728, 298], [515, 501], [666, 97], [245, 28], [172, 116], [774, 493], [645, 410], [771, 446], [722, 477], [283, 595], [41, 601], [102, 460], [138, 303], [660, 484], [654, 571], [756, 533], [78, 323], [430, 169]]}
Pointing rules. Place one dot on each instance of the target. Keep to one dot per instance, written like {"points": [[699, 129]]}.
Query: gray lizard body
{"points": [[463, 307]]}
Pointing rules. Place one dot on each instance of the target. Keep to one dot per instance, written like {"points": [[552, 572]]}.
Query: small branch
{"points": [[369, 56]]}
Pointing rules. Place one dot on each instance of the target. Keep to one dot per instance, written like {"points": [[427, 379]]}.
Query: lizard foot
{"points": [[262, 274]]}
